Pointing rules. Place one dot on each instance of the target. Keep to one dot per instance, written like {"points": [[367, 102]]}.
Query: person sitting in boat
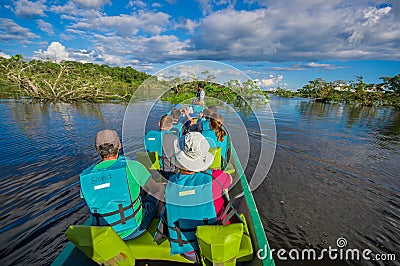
{"points": [[112, 189], [217, 136], [203, 123], [195, 108], [162, 142], [194, 195], [176, 114]]}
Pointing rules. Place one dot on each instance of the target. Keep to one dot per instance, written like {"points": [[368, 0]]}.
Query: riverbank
{"points": [[386, 93]]}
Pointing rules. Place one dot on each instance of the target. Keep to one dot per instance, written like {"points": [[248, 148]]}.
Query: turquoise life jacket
{"points": [[177, 129], [205, 124], [153, 142], [214, 142], [189, 203], [197, 108], [107, 195]]}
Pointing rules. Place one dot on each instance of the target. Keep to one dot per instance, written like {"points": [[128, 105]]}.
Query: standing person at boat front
{"points": [[162, 142], [201, 94], [112, 188], [217, 136], [192, 196]]}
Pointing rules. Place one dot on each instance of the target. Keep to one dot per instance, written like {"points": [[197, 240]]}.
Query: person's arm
{"points": [[222, 180], [157, 190], [144, 179], [186, 112]]}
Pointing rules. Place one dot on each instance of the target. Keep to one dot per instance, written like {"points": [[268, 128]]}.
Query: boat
{"points": [[253, 250]]}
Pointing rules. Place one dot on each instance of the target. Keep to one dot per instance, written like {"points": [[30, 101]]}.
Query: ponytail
{"points": [[216, 124]]}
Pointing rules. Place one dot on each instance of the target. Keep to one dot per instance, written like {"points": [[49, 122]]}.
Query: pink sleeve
{"points": [[220, 182]]}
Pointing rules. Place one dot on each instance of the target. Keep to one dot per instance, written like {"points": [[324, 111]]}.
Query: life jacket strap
{"points": [[121, 211], [124, 219], [174, 240]]}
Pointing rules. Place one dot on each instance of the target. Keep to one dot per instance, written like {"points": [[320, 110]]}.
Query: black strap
{"points": [[175, 240], [119, 209], [124, 219]]}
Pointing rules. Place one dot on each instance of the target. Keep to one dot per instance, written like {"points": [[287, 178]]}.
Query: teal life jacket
{"points": [[189, 203], [205, 124], [197, 108], [214, 142], [153, 142], [106, 192], [177, 129]]}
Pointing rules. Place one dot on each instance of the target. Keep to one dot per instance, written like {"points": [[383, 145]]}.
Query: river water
{"points": [[335, 175]]}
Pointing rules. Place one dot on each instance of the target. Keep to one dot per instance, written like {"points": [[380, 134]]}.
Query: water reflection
{"points": [[335, 173], [382, 123]]}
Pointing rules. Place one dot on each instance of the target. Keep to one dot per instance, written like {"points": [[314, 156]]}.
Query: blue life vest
{"points": [[205, 123], [153, 142], [177, 129], [214, 142], [189, 203], [107, 195], [197, 108]]}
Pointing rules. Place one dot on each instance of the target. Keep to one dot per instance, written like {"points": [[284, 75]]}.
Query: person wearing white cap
{"points": [[191, 194], [112, 189]]}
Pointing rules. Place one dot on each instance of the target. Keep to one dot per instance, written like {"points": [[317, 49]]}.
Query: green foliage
{"points": [[384, 94], [233, 92], [282, 92], [67, 81]]}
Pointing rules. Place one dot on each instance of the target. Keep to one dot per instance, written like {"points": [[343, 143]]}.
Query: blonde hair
{"points": [[216, 125]]}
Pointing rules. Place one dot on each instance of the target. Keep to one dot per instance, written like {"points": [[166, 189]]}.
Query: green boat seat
{"points": [[144, 247], [229, 169], [101, 243], [216, 151], [149, 159], [224, 245]]}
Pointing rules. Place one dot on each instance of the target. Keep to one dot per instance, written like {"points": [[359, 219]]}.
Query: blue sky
{"points": [[279, 43]]}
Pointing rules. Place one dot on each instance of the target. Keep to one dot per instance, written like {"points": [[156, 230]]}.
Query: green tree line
{"points": [[67, 81], [386, 93]]}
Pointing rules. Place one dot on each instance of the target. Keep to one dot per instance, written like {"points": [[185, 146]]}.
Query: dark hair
{"points": [[107, 150], [216, 125], [176, 113]]}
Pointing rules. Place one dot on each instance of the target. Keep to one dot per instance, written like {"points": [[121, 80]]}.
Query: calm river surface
{"points": [[336, 173]]}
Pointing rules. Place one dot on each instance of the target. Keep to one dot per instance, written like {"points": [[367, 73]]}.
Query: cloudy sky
{"points": [[280, 43]]}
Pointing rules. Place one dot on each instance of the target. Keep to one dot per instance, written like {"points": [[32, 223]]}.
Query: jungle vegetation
{"points": [[386, 93]]}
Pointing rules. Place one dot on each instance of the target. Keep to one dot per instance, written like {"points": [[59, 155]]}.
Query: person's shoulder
{"points": [[170, 136], [222, 177], [135, 165]]}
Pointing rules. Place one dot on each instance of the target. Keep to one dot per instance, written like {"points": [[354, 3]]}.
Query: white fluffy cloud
{"points": [[55, 52], [29, 9], [272, 81], [148, 50], [4, 55], [126, 25], [300, 30]]}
